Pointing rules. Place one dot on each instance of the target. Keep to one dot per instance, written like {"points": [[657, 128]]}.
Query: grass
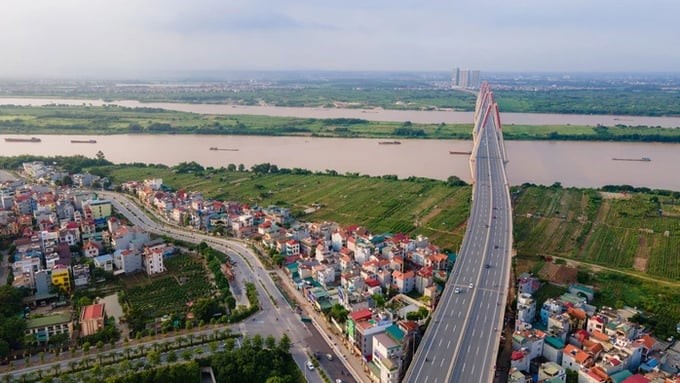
{"points": [[169, 293], [428, 207], [120, 120], [626, 233]]}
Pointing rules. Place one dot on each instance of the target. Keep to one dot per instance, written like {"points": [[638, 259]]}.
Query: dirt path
{"points": [[594, 267]]}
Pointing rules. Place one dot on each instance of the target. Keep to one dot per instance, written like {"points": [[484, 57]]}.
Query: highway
{"points": [[462, 339]]}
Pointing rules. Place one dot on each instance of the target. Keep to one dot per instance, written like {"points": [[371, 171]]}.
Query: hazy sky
{"points": [[137, 38]]}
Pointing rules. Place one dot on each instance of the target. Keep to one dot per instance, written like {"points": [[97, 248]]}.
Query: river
{"points": [[581, 164], [417, 116]]}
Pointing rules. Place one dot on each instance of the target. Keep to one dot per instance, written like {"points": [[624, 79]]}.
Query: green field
{"points": [[624, 231], [168, 294], [427, 207], [120, 120], [605, 98]]}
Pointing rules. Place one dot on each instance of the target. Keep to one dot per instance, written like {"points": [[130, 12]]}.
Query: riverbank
{"points": [[106, 120], [602, 100]]}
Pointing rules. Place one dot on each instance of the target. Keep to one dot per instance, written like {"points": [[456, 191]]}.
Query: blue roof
{"points": [[395, 333], [620, 376], [554, 342], [104, 258]]}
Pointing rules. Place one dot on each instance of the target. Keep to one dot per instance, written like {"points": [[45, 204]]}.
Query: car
{"points": [[338, 380], [456, 290], [471, 285], [310, 366], [487, 266], [329, 356]]}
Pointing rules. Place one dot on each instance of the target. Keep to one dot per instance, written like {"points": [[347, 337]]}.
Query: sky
{"points": [[152, 38]]}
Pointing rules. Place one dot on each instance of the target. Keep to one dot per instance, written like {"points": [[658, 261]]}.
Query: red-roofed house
{"points": [[363, 314], [403, 282], [437, 261], [424, 278], [593, 375], [573, 358], [92, 319], [637, 378]]}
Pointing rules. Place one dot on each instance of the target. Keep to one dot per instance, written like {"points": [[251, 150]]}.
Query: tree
{"points": [[270, 342], [379, 300], [172, 357], [285, 344], [100, 156], [86, 347], [241, 168], [186, 355], [66, 181], [231, 168], [154, 357]]}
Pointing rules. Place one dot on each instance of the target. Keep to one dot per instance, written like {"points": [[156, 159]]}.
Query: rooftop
{"points": [[91, 312], [48, 320]]}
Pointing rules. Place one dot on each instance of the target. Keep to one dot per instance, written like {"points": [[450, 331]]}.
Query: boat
{"points": [[83, 141], [32, 139], [643, 159], [389, 143], [466, 153], [224, 149]]}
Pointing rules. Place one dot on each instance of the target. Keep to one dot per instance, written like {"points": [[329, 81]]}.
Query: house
{"points": [[403, 282], [61, 277], [362, 326], [90, 249], [437, 261], [526, 309], [104, 262], [127, 261], [81, 275], [574, 358], [551, 372], [152, 261], [92, 319], [292, 247], [43, 327], [387, 355], [423, 279]]}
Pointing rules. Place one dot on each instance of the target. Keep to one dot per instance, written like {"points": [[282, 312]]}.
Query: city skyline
{"points": [[163, 38]]}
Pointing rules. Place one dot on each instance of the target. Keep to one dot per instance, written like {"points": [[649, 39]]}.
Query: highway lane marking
{"points": [[449, 344], [440, 343]]}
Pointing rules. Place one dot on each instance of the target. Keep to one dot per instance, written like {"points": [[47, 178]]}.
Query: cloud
{"points": [[43, 38]]}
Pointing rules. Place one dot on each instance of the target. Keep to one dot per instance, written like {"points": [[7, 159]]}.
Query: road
{"points": [[275, 317], [461, 342]]}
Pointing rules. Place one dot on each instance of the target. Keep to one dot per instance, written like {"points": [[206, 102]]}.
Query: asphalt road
{"points": [[461, 342], [275, 318]]}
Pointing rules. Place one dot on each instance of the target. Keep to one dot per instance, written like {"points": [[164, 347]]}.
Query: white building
{"points": [[152, 261]]}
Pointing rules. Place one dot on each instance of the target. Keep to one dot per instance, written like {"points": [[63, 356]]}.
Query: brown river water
{"points": [[583, 164]]}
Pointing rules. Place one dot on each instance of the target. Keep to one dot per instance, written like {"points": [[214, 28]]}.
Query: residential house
{"points": [[574, 358], [387, 355], [551, 372], [81, 275], [61, 277], [152, 261], [104, 262], [128, 260], [403, 282]]}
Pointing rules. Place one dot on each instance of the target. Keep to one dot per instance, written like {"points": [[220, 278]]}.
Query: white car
{"points": [[456, 290], [310, 366], [471, 285]]}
